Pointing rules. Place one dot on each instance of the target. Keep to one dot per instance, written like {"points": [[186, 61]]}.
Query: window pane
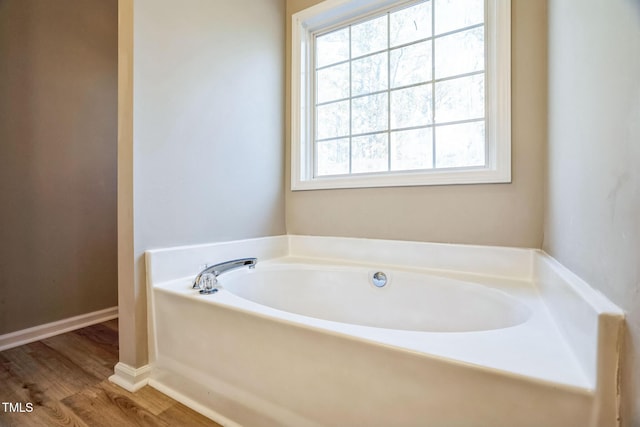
{"points": [[455, 14], [332, 47], [460, 53], [460, 145], [333, 83], [411, 149], [369, 113], [410, 24], [333, 157], [369, 74], [369, 153], [369, 36], [411, 107], [333, 120], [460, 99], [418, 73], [411, 64]]}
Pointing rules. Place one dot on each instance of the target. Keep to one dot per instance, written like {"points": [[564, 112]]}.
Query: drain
{"points": [[379, 279]]}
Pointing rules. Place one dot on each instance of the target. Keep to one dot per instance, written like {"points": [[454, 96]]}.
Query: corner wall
{"points": [[207, 137], [58, 114], [592, 216], [496, 214]]}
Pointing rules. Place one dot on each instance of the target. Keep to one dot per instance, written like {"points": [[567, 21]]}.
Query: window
{"points": [[389, 93]]}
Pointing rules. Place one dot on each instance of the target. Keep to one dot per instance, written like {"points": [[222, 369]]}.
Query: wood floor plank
{"points": [[54, 414], [148, 398], [41, 382], [111, 324], [65, 378], [100, 336], [180, 415], [13, 389], [20, 420], [100, 407], [45, 410], [93, 358], [60, 368]]}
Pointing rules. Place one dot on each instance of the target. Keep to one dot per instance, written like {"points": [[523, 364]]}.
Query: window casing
{"points": [[359, 120]]}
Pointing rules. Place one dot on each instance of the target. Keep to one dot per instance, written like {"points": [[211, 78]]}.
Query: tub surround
{"points": [[279, 368]]}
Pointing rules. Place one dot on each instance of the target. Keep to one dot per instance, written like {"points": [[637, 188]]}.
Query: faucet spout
{"points": [[223, 267]]}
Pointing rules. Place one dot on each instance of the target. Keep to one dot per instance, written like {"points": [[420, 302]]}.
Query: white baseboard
{"points": [[37, 333], [130, 379]]}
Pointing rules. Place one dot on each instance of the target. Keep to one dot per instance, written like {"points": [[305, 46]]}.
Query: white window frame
{"points": [[497, 110]]}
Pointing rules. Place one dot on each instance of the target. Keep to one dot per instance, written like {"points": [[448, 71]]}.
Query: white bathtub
{"points": [[307, 340]]}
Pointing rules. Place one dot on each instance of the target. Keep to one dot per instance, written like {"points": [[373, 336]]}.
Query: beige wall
{"points": [[500, 214], [593, 204], [208, 87], [58, 62]]}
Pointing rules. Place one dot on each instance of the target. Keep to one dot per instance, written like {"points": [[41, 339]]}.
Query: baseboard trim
{"points": [[37, 333], [129, 378]]}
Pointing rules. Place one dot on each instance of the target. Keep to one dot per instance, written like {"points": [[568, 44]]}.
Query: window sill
{"points": [[405, 179]]}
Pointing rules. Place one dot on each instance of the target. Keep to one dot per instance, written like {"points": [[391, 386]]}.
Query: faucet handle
{"points": [[198, 279], [207, 284]]}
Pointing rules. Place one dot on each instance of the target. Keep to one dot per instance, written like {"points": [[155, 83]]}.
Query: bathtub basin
{"points": [[408, 302]]}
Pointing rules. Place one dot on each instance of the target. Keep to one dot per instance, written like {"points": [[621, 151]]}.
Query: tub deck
{"points": [[534, 349]]}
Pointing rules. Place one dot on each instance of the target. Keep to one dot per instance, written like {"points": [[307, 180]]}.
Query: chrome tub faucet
{"points": [[208, 278]]}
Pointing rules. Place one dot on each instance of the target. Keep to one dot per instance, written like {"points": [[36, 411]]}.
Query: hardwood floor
{"points": [[64, 378]]}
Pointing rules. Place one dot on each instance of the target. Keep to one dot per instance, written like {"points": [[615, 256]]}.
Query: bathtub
{"points": [[307, 339]]}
